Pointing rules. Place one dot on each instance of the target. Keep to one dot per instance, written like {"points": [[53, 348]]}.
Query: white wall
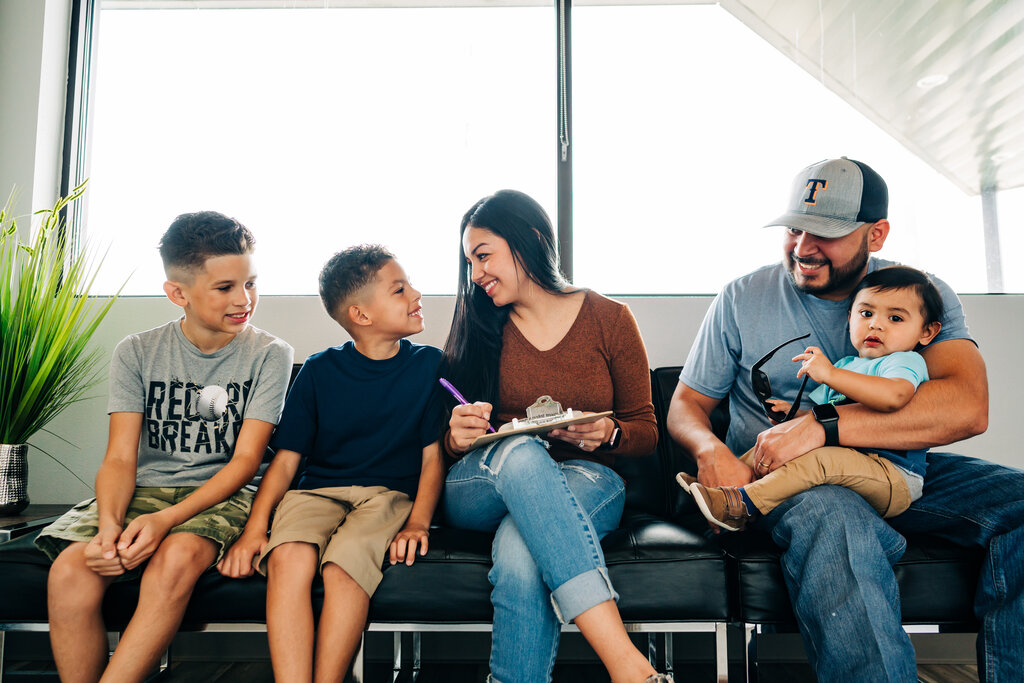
{"points": [[33, 79], [668, 325]]}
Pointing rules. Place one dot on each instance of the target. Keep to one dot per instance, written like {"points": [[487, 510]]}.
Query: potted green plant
{"points": [[46, 321]]}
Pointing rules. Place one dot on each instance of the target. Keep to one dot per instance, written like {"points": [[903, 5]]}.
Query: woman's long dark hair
{"points": [[473, 348]]}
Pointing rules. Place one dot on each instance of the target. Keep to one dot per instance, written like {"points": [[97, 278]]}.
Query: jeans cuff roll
{"points": [[580, 593]]}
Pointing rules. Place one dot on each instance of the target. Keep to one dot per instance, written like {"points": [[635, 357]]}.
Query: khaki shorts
{"points": [[221, 523], [351, 526]]}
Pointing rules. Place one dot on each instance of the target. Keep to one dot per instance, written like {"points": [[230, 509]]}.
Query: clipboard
{"points": [[485, 439]]}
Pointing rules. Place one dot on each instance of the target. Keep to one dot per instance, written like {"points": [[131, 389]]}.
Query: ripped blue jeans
{"points": [[548, 518]]}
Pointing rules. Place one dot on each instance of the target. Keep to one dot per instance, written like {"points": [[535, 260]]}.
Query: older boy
{"points": [[192, 407], [896, 310], [366, 417]]}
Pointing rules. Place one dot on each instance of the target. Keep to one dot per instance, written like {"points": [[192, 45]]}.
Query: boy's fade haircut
{"points": [[346, 273], [905, 277], [192, 238]]}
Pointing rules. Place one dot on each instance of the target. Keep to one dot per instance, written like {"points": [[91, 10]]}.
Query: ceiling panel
{"points": [[874, 54]]}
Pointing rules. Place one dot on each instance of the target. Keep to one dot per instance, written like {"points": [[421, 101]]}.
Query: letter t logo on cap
{"points": [[814, 185]]}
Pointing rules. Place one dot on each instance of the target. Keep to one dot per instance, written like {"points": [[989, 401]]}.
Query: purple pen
{"points": [[458, 396]]}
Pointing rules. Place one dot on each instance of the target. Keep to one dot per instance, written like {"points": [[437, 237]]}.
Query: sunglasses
{"points": [[763, 387]]}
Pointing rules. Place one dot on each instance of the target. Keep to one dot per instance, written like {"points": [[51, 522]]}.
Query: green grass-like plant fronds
{"points": [[46, 321]]}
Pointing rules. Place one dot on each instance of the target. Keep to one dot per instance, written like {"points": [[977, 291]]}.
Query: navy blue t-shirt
{"points": [[363, 422]]}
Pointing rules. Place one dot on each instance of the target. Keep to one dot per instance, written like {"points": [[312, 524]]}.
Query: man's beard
{"points": [[843, 279]]}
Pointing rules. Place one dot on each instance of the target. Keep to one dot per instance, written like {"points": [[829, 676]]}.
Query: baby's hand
{"points": [[780, 405], [815, 364]]}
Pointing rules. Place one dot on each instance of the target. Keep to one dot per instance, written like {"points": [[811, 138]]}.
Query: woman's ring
{"points": [[582, 444], [760, 463]]}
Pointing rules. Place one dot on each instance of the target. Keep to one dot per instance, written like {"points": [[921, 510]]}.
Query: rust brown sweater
{"points": [[600, 364]]}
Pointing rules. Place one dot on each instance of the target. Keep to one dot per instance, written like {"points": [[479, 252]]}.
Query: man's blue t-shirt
{"points": [[907, 365], [363, 422], [759, 311]]}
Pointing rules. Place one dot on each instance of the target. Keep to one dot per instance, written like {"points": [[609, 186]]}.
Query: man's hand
{"points": [[237, 562], [814, 363], [723, 469], [779, 444], [403, 548], [101, 552], [141, 538]]}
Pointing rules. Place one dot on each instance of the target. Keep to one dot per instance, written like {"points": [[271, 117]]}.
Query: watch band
{"points": [[616, 436], [828, 417]]}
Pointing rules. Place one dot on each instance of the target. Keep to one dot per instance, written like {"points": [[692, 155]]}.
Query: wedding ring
{"points": [[582, 444], [760, 463]]}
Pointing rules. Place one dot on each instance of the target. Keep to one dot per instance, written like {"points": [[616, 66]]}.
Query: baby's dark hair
{"points": [[195, 237], [347, 272], [905, 277]]}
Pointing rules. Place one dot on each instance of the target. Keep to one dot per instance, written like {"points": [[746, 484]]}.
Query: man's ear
{"points": [[174, 292], [877, 232], [358, 316], [930, 331]]}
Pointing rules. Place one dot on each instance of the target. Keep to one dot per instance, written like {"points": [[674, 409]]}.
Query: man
{"points": [[838, 566]]}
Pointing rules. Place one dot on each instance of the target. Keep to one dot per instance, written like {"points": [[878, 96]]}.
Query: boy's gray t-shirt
{"points": [[160, 374]]}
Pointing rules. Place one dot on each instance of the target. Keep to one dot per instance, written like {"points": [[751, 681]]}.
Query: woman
{"points": [[521, 331]]}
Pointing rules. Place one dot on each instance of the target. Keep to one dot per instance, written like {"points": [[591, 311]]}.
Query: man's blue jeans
{"points": [[548, 519], [838, 568]]}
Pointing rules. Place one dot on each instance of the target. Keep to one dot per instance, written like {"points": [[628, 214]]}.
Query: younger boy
{"points": [[366, 418], [895, 311], [192, 407]]}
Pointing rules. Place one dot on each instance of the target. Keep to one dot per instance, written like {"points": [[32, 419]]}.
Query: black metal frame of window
{"points": [[563, 47], [74, 161]]}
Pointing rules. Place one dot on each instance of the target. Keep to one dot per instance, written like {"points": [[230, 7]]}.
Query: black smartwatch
{"points": [[613, 440], [827, 415]]}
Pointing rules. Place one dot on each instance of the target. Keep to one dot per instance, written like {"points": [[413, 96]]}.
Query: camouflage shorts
{"points": [[221, 523]]}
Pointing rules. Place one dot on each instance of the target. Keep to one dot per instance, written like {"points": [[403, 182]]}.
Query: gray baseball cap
{"points": [[834, 197]]}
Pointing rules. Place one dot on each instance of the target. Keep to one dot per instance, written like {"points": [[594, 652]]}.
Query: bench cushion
{"points": [[936, 580], [662, 572]]}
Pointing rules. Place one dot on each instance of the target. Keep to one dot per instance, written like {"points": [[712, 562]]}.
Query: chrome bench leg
{"points": [[415, 656], [721, 652], [396, 651], [750, 652]]}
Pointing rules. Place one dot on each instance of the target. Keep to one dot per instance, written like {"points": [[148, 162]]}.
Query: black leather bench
{"points": [[670, 579], [670, 574]]}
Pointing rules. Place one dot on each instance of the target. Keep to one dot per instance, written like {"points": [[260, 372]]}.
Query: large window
{"points": [[687, 138], [320, 128]]}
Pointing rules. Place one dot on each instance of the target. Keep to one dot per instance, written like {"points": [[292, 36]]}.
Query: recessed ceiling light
{"points": [[932, 81]]}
